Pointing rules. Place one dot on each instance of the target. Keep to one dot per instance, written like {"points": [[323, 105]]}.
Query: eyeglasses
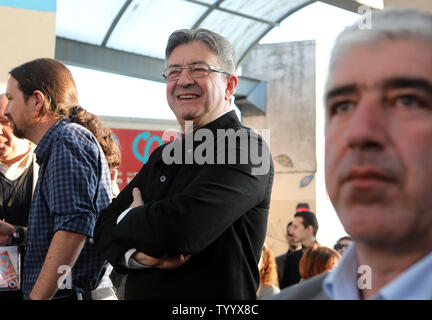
{"points": [[198, 70]]}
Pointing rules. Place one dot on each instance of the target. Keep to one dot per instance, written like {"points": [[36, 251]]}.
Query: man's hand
{"points": [[6, 229], [164, 262], [137, 198]]}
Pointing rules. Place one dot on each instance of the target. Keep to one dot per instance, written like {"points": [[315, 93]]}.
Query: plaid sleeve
{"points": [[73, 180]]}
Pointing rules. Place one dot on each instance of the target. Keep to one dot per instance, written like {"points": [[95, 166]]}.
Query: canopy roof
{"points": [[129, 36]]}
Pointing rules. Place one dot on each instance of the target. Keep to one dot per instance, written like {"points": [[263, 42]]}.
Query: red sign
{"points": [[8, 275], [136, 147]]}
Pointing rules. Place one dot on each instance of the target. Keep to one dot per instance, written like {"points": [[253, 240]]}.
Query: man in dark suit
{"points": [[304, 230], [192, 223], [378, 166], [292, 247], [292, 244]]}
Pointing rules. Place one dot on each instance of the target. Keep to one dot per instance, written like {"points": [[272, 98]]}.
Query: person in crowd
{"points": [[108, 288], [317, 260], [73, 185], [342, 243], [378, 169], [292, 245], [11, 154], [104, 137], [269, 284], [192, 223], [302, 206], [18, 176], [304, 230]]}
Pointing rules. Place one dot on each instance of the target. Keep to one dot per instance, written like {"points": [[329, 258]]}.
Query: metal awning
{"points": [[129, 36]]}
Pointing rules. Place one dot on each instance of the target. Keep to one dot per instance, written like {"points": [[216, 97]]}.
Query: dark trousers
{"points": [[11, 295], [73, 294]]}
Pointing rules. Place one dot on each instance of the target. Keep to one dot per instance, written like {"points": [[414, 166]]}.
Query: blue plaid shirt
{"points": [[74, 185]]}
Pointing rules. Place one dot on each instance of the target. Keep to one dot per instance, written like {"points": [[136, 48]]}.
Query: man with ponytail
{"points": [[74, 182]]}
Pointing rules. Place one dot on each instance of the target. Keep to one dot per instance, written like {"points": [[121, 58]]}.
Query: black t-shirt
{"points": [[17, 213], [291, 273]]}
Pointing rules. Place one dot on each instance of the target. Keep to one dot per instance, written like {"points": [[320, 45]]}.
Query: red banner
{"points": [[136, 147]]}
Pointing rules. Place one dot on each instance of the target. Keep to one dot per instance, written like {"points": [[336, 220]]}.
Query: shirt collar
{"points": [[180, 133], [44, 145], [16, 169], [341, 283], [414, 283]]}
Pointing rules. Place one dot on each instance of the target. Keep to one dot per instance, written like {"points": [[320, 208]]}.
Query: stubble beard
{"points": [[17, 132]]}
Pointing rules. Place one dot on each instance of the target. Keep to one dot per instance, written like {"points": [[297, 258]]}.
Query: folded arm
{"points": [[189, 221], [146, 261]]}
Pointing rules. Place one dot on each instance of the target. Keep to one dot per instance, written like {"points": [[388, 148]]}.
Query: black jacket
{"points": [[291, 273], [215, 212]]}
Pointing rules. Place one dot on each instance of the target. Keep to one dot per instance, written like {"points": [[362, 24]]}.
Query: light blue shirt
{"points": [[414, 284]]}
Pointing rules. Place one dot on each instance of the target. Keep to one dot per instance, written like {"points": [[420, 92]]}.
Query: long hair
{"points": [[53, 79], [268, 271], [102, 134], [316, 260]]}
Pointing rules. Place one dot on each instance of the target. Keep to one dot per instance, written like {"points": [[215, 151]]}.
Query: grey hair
{"points": [[215, 42], [388, 24]]}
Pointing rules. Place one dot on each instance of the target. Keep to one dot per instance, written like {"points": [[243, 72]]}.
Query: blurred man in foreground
{"points": [[377, 160]]}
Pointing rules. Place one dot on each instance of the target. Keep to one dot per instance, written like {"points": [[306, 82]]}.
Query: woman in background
{"points": [[316, 260], [269, 284]]}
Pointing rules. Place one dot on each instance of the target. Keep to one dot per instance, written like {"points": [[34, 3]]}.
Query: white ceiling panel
{"points": [[84, 20], [146, 25], [245, 33], [270, 10]]}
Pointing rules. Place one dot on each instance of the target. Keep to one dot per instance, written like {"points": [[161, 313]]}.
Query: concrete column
{"points": [[289, 70], [425, 5]]}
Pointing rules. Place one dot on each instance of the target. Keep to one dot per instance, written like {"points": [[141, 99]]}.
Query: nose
{"points": [[185, 78], [367, 127], [6, 110]]}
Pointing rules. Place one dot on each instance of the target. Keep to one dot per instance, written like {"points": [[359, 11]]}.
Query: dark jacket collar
{"points": [[228, 120]]}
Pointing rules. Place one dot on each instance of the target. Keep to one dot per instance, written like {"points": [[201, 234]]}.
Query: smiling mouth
{"points": [[188, 96]]}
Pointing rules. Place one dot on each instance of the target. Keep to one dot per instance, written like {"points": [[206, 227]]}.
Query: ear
{"points": [[232, 81], [38, 101], [310, 229]]}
